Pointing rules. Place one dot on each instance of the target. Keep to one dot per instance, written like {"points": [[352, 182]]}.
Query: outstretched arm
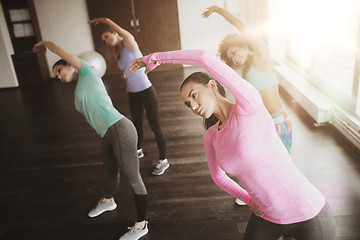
{"points": [[68, 57], [245, 94], [242, 27], [229, 17], [129, 40]]}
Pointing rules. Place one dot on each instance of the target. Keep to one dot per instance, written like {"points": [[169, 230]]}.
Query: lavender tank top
{"points": [[137, 81]]}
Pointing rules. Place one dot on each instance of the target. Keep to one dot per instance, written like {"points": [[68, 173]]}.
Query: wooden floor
{"points": [[51, 172]]}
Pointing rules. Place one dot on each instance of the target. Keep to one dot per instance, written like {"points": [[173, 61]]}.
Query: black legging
{"points": [[147, 99], [321, 227]]}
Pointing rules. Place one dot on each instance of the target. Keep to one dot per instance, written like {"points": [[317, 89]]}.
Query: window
{"points": [[320, 37]]}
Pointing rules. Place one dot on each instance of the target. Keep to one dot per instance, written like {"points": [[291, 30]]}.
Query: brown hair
{"points": [[204, 78], [116, 49], [60, 62]]}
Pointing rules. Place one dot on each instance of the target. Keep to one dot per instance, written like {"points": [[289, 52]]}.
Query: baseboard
{"points": [[311, 99], [317, 105]]}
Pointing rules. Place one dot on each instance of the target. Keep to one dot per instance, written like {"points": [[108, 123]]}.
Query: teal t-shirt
{"points": [[93, 101]]}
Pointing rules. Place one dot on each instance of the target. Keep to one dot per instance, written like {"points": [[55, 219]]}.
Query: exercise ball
{"points": [[95, 59]]}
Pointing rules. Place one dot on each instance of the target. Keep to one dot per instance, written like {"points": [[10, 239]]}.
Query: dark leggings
{"points": [[119, 154], [147, 99], [321, 227]]}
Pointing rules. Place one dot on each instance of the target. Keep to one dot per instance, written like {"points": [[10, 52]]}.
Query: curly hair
{"points": [[231, 40]]}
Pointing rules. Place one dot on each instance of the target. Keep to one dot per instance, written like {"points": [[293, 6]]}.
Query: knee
{"points": [[157, 131], [138, 187]]}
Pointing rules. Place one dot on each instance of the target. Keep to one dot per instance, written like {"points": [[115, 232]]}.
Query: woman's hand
{"points": [[39, 47], [256, 210], [53, 47], [96, 21], [137, 64], [209, 11]]}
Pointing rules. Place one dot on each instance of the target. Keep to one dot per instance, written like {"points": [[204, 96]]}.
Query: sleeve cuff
{"points": [[148, 60], [246, 199]]}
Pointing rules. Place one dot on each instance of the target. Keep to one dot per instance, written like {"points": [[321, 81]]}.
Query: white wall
{"points": [[65, 23], [199, 33], [8, 76]]}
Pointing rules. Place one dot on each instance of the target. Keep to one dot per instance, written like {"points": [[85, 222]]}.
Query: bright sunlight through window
{"points": [[321, 37]]}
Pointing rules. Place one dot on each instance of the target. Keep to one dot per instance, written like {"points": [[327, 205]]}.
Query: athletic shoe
{"points": [[101, 207], [135, 232], [239, 202], [160, 168], [140, 153]]}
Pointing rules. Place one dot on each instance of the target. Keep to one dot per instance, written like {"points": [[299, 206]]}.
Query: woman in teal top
{"points": [[250, 57], [119, 137]]}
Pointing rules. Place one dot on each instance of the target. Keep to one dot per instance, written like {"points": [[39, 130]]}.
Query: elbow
{"points": [[219, 181], [203, 55]]}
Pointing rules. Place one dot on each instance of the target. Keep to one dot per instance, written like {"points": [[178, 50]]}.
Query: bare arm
{"points": [[229, 17], [68, 57], [257, 44], [129, 40]]}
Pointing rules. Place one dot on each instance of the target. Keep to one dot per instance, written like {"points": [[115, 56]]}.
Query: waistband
{"points": [[142, 91], [280, 115], [282, 111]]}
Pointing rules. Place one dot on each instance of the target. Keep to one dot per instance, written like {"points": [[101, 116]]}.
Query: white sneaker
{"points": [[135, 232], [101, 207], [140, 153], [239, 202], [161, 166]]}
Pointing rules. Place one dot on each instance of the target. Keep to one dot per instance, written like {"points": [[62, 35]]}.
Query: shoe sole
{"points": [[141, 156], [138, 237], [146, 232], [107, 210], [240, 204], [162, 172]]}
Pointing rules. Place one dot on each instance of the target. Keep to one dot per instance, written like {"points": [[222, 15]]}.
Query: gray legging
{"points": [[321, 227], [119, 153]]}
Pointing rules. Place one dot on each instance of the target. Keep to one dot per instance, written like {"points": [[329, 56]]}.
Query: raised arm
{"points": [[129, 40], [228, 16], [242, 27], [68, 57], [245, 94]]}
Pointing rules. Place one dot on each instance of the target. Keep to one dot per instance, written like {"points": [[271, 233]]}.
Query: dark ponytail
{"points": [[204, 78], [60, 62]]}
